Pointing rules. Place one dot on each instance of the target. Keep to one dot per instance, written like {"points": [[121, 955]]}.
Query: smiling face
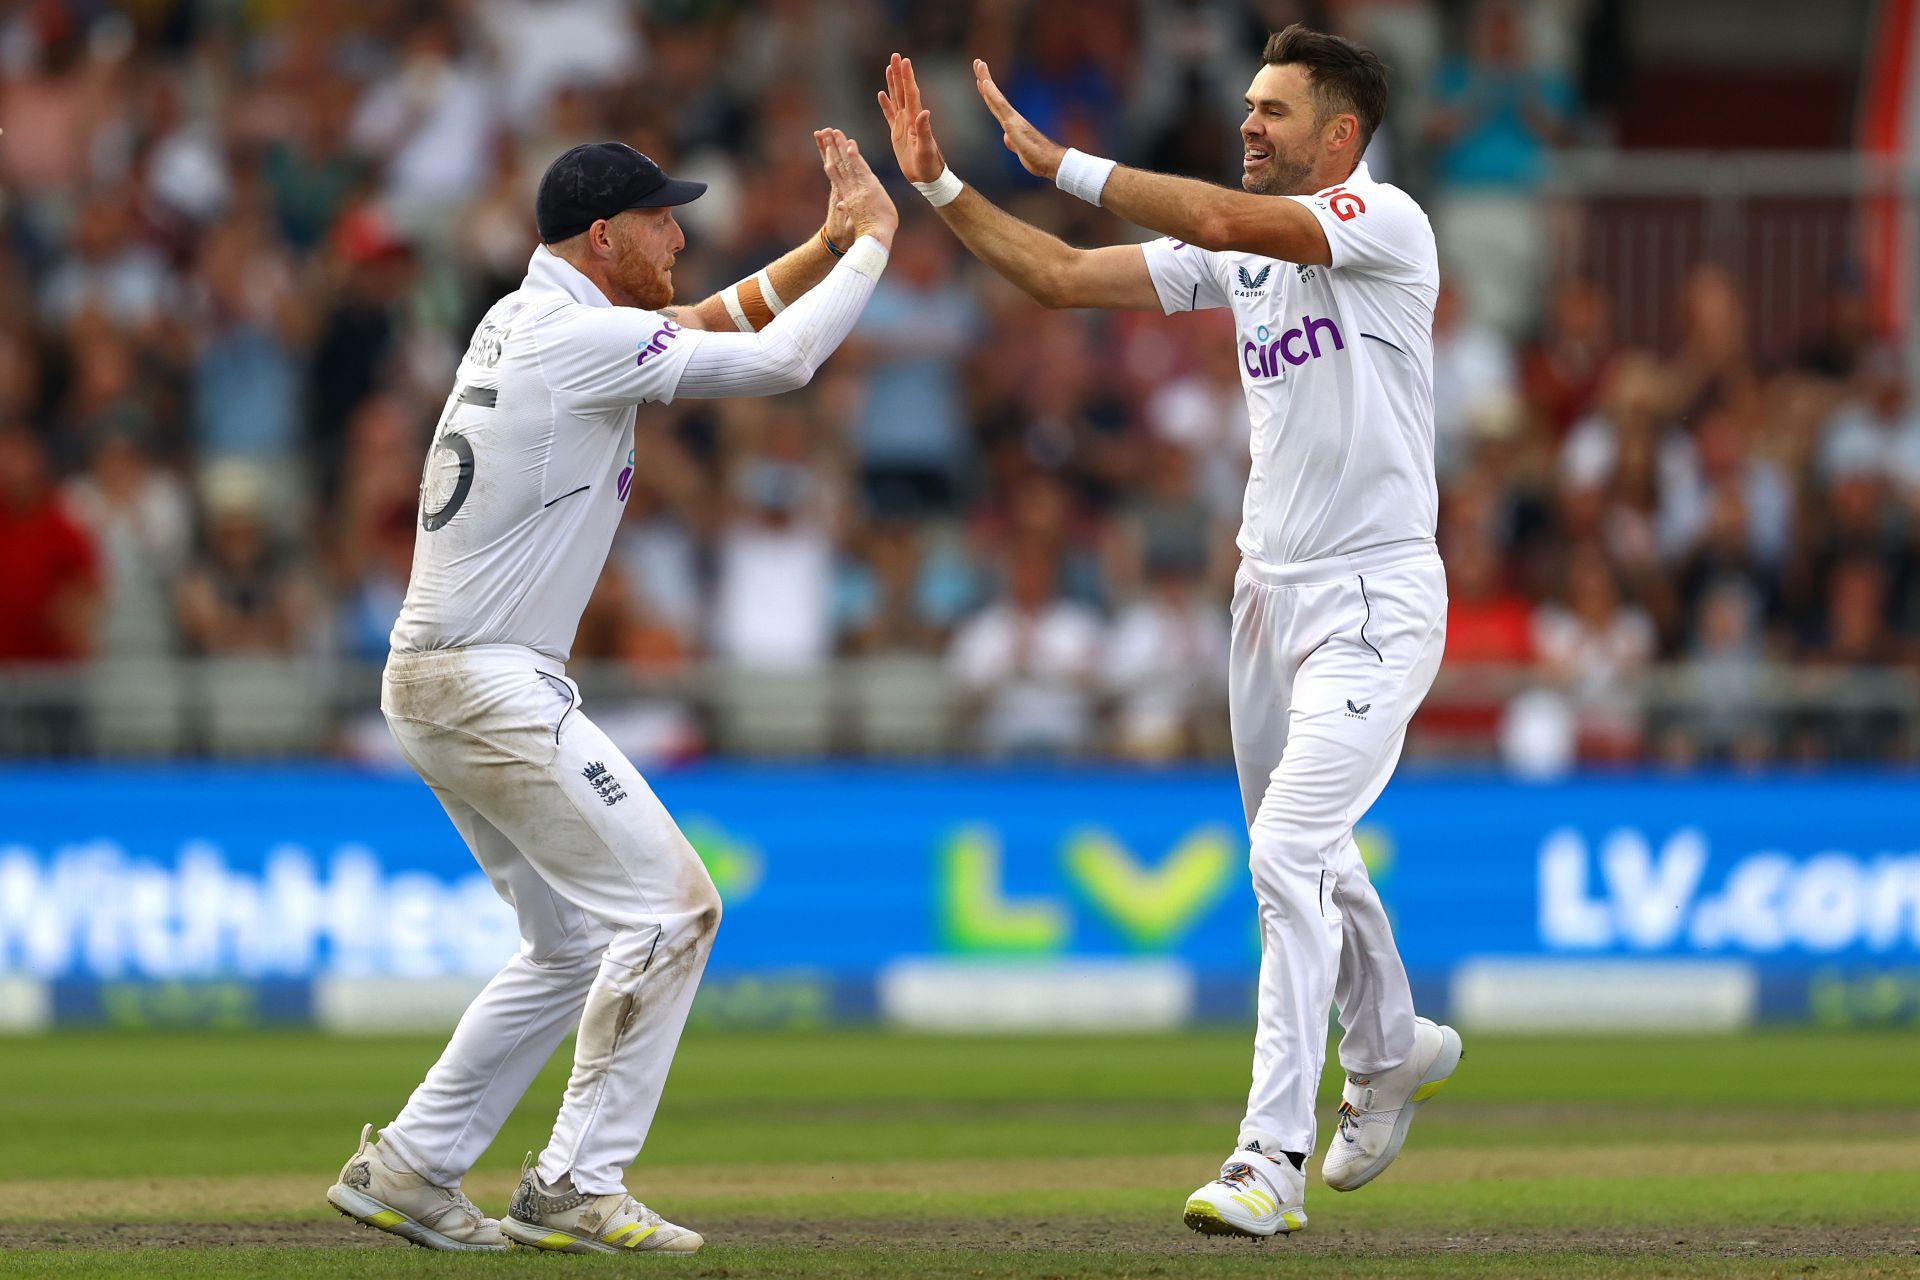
{"points": [[1285, 143]]}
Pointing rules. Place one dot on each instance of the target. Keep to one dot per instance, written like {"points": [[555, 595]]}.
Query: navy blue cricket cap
{"points": [[597, 180]]}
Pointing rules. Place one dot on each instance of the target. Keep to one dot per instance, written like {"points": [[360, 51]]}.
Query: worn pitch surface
{"points": [[829, 1154]]}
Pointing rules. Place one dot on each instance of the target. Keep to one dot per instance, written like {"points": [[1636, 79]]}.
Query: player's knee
{"points": [[699, 898]]}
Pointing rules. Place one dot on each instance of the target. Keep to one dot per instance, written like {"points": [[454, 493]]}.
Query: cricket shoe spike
{"points": [[1255, 1195], [1377, 1110], [402, 1202], [568, 1221]]}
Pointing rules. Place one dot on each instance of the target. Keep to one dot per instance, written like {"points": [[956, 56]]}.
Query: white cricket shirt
{"points": [[532, 461], [1337, 365]]}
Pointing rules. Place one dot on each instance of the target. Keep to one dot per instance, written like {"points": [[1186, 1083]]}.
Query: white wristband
{"points": [[944, 189], [867, 256], [1083, 175]]}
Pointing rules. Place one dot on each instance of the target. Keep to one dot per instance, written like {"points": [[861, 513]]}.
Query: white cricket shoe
{"points": [[1255, 1195], [1376, 1112], [569, 1221], [397, 1200]]}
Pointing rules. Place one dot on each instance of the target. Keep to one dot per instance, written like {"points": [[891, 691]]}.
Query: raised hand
{"points": [[838, 226], [856, 192], [910, 124], [1038, 153]]}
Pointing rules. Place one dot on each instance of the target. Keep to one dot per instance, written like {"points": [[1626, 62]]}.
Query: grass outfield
{"points": [[837, 1154]]}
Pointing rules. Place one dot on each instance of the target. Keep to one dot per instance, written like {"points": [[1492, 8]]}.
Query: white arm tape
{"points": [[731, 297], [868, 256], [1083, 175], [766, 291], [944, 189]]}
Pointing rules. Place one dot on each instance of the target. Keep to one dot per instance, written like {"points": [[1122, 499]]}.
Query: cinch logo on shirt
{"points": [[624, 485], [654, 346], [1261, 358]]}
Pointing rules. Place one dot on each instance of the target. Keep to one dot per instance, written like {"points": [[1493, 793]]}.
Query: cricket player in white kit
{"points": [[526, 479], [1339, 610]]}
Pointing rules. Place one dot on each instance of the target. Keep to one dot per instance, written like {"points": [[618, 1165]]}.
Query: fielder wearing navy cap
{"points": [[597, 180]]}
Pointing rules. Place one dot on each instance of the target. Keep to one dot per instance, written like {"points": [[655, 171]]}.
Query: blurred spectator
{"points": [[1595, 647], [1724, 682], [904, 591], [49, 566], [243, 594], [1472, 375], [374, 520], [1561, 369], [1165, 664], [430, 121], [545, 46], [1855, 639], [1877, 432], [911, 439], [110, 270], [1029, 661], [140, 516], [1205, 411], [359, 323], [1490, 632], [1845, 334], [1715, 364], [246, 377], [1494, 116], [773, 589]]}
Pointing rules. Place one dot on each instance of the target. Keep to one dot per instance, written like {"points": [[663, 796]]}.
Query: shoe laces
{"points": [[647, 1216], [1349, 1121], [1238, 1174], [458, 1199]]}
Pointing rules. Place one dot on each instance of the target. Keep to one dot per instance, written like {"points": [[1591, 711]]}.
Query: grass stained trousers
{"points": [[616, 913]]}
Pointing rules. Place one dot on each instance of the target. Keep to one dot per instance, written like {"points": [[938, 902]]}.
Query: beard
{"points": [[650, 289], [648, 286], [1281, 176]]}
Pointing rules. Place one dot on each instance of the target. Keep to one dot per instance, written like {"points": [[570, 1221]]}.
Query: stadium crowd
{"points": [[244, 246]]}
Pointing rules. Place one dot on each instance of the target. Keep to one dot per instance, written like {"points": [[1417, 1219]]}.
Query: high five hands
{"points": [[911, 125], [856, 200], [1038, 153]]}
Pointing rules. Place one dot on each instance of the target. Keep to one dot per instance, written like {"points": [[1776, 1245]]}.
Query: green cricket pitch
{"points": [[867, 1153]]}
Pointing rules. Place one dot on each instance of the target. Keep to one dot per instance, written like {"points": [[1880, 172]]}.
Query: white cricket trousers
{"points": [[1330, 659], [616, 913]]}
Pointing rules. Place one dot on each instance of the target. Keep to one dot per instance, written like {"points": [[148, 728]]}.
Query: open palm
{"points": [[910, 124]]}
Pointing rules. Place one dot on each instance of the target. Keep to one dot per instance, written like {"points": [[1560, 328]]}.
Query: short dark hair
{"points": [[1344, 76]]}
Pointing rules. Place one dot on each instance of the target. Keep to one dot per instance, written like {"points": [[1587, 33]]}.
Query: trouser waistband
{"points": [[427, 663], [1333, 568]]}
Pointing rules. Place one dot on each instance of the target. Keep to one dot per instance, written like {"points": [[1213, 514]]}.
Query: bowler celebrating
{"points": [[1339, 609], [525, 483]]}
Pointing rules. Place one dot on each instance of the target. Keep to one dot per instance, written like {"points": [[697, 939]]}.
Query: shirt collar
{"points": [[548, 272]]}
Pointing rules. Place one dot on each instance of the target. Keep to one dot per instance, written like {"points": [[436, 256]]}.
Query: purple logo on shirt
{"points": [[1261, 358], [624, 485], [655, 345]]}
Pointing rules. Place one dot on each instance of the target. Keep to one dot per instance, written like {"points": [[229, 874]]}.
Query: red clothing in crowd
{"points": [[1493, 629], [43, 554]]}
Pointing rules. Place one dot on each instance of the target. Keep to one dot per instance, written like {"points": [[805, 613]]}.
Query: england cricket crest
{"points": [[604, 784]]}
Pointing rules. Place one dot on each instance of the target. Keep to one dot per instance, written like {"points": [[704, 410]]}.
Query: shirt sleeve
{"points": [[1380, 232], [1187, 278], [609, 357]]}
